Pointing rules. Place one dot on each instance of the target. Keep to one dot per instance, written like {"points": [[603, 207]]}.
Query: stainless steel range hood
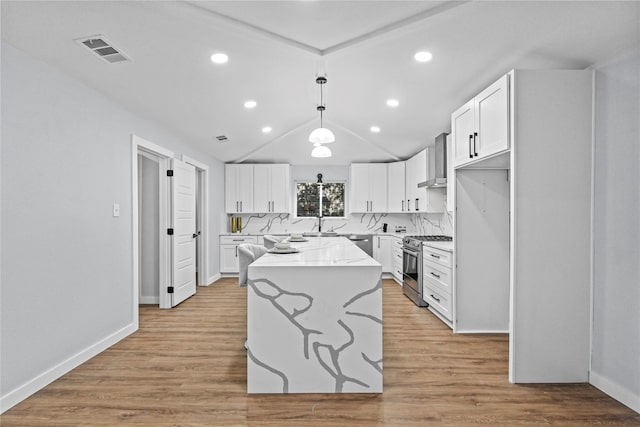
{"points": [[437, 164]]}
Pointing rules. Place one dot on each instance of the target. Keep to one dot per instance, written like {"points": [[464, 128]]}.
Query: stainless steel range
{"points": [[412, 265]]}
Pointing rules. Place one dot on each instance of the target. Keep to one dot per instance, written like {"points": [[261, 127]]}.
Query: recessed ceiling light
{"points": [[392, 102], [374, 129], [250, 104], [266, 129], [423, 56], [219, 58]]}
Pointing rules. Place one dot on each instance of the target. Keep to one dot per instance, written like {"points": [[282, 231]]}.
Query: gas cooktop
{"points": [[433, 238]]}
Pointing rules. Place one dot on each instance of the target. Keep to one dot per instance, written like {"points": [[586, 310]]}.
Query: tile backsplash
{"points": [[419, 223]]}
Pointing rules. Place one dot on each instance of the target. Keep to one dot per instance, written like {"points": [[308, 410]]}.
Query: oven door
{"points": [[412, 275]]}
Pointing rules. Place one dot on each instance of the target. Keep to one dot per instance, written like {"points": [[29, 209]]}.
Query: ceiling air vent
{"points": [[103, 48], [221, 138]]}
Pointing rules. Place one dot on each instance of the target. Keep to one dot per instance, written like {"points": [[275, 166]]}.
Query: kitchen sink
{"points": [[320, 234]]}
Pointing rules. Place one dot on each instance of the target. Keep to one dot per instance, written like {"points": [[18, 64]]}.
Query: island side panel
{"points": [[314, 330]]}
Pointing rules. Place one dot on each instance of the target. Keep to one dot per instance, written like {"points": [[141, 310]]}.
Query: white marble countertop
{"points": [[319, 252], [445, 246]]}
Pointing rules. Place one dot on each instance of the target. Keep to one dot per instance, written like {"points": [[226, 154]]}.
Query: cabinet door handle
{"points": [[417, 200], [435, 256], [475, 148], [470, 143], [434, 297], [402, 205], [241, 206], [238, 240], [378, 242], [371, 210], [237, 206], [435, 275], [408, 205], [236, 252]]}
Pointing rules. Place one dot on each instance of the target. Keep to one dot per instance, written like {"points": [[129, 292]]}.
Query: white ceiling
{"points": [[276, 48]]}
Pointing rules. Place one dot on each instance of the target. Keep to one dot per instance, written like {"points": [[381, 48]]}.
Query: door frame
{"points": [[202, 198], [163, 156]]}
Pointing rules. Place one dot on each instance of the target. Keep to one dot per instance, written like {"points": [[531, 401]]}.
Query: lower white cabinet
{"points": [[382, 252], [396, 258], [437, 282], [229, 251]]}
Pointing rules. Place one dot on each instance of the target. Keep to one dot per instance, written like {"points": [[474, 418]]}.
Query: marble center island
{"points": [[314, 320]]}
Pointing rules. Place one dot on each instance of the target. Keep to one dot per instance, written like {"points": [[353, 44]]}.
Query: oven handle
{"points": [[410, 252]]}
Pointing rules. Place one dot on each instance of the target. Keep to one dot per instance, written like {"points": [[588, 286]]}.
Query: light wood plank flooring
{"points": [[187, 366]]}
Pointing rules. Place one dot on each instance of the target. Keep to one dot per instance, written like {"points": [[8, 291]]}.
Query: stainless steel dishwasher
{"points": [[363, 241]]}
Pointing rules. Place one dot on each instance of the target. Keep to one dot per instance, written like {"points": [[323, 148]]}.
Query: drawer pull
{"points": [[238, 240], [435, 256], [435, 275], [434, 297]]}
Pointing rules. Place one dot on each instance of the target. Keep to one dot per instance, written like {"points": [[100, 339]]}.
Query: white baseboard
{"points": [[149, 300], [615, 390], [213, 278], [17, 395]]}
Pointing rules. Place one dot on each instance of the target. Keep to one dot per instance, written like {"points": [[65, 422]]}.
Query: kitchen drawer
{"points": [[438, 256], [236, 240], [437, 274], [437, 300]]}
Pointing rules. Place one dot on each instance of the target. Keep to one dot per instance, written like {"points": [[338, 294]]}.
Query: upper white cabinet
{"points": [[416, 168], [271, 188], [396, 200], [368, 187], [238, 188], [480, 128]]}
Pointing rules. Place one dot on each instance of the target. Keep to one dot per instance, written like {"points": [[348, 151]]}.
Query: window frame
{"points": [[325, 181]]}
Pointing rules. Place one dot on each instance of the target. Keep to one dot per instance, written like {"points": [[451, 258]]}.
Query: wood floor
{"points": [[187, 366]]}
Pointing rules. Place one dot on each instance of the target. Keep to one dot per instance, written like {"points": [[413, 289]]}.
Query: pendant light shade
{"points": [[322, 136], [320, 151]]}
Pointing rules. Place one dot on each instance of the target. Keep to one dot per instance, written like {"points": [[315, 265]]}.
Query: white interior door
{"points": [[183, 214]]}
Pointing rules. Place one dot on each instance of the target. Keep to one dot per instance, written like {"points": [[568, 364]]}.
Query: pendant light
{"points": [[320, 151], [321, 135]]}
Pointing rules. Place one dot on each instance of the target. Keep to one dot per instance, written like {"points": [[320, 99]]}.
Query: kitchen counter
{"points": [[314, 320], [445, 246]]}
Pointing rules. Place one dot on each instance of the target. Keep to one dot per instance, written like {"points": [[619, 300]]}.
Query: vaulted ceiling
{"points": [[277, 48]]}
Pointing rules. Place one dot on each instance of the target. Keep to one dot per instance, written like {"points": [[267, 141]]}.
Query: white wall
{"points": [[149, 214], [66, 261], [615, 363]]}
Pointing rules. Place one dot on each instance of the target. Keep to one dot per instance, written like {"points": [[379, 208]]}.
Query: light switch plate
{"points": [[116, 209]]}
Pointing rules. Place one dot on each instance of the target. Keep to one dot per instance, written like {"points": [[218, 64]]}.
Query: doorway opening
{"points": [[170, 225]]}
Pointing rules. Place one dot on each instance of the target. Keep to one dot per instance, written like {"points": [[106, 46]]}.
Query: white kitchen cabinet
{"points": [[272, 188], [438, 282], [238, 188], [368, 187], [396, 200], [480, 128], [416, 172], [450, 176], [382, 252], [229, 252], [396, 255]]}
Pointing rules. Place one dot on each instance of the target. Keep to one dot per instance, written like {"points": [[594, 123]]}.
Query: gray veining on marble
{"points": [[376, 364], [368, 316], [363, 294], [290, 316], [334, 354], [285, 380]]}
